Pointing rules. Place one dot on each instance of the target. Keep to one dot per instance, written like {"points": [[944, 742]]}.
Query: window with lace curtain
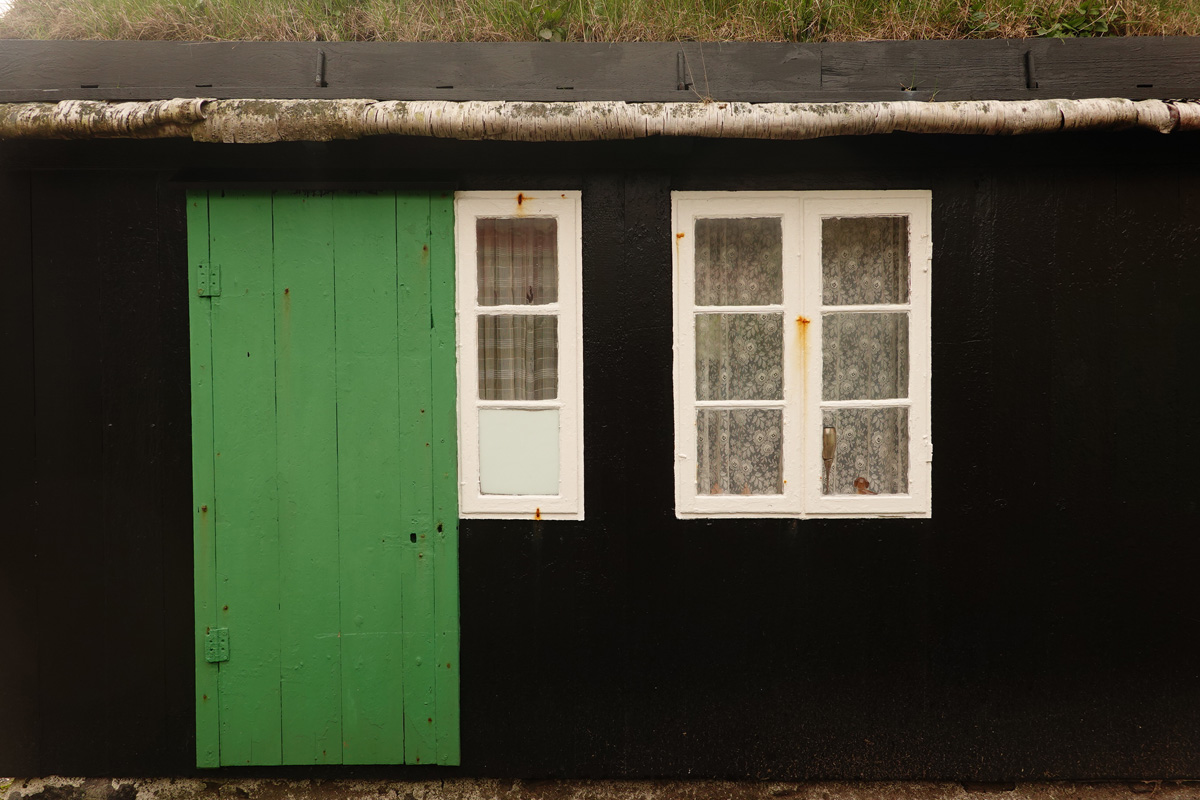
{"points": [[802, 369], [520, 390]]}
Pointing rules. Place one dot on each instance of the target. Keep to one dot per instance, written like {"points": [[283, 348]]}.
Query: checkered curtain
{"points": [[518, 357], [517, 265]]}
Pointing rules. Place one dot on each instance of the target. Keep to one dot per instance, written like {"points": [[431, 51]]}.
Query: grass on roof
{"points": [[593, 20]]}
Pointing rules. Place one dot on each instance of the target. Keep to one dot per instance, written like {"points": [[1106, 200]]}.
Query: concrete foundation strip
{"points": [[259, 121]]}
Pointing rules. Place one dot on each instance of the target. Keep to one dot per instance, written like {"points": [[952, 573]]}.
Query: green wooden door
{"points": [[324, 461]]}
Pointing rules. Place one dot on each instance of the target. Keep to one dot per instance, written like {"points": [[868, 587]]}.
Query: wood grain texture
{"points": [[247, 494], [444, 533], [350, 582], [976, 645], [73, 649], [135, 420], [114, 462], [306, 434], [204, 552], [1130, 67], [416, 412], [373, 546], [18, 566], [171, 298]]}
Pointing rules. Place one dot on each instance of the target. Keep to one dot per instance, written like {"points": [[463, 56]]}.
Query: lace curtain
{"points": [[872, 443], [517, 264], [739, 451], [739, 262], [739, 356], [864, 261]]}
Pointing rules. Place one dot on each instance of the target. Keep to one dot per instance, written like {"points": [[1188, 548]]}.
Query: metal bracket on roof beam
{"points": [[320, 82], [1030, 71], [682, 73]]}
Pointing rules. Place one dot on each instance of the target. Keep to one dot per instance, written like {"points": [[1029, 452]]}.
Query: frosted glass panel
{"points": [[865, 356], [518, 451], [864, 260], [517, 260], [518, 357], [871, 456], [739, 262], [739, 356], [739, 451]]}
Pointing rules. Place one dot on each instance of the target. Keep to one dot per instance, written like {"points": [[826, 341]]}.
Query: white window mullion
{"points": [[899, 402], [547, 310], [797, 353], [738, 403], [776, 309], [687, 448], [868, 309]]}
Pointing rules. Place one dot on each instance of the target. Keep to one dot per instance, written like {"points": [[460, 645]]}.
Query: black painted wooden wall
{"points": [[1043, 623]]}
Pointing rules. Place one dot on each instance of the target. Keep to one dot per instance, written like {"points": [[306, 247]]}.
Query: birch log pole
{"points": [[261, 121]]}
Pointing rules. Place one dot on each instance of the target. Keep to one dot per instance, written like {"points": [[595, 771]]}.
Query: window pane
{"points": [[518, 357], [517, 260], [864, 260], [518, 451], [871, 452], [865, 356], [739, 262], [739, 356], [739, 451]]}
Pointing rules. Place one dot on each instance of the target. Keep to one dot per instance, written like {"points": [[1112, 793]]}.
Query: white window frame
{"points": [[564, 206], [801, 214]]}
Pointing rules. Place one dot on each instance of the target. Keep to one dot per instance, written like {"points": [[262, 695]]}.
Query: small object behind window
{"points": [[862, 485], [828, 451]]}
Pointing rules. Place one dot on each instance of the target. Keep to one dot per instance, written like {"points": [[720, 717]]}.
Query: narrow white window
{"points": [[802, 354], [520, 371]]}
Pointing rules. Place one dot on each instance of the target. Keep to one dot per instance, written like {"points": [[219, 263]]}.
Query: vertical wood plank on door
{"points": [[416, 413], [208, 739], [306, 437], [243, 343], [372, 544], [445, 477]]}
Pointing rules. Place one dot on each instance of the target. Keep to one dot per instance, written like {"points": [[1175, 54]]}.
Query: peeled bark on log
{"points": [[86, 119], [260, 121]]}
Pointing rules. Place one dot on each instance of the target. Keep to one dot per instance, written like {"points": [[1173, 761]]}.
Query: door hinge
{"points": [[208, 279], [216, 645]]}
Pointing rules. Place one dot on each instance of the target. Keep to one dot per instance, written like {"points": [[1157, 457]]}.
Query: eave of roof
{"points": [[1134, 68], [295, 91]]}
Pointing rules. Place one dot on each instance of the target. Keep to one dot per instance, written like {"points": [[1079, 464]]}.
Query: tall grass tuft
{"points": [[593, 20]]}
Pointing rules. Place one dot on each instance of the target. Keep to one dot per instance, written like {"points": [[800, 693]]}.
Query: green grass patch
{"points": [[594, 20]]}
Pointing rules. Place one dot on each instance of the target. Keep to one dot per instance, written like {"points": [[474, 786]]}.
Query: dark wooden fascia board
{"points": [[998, 69]]}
